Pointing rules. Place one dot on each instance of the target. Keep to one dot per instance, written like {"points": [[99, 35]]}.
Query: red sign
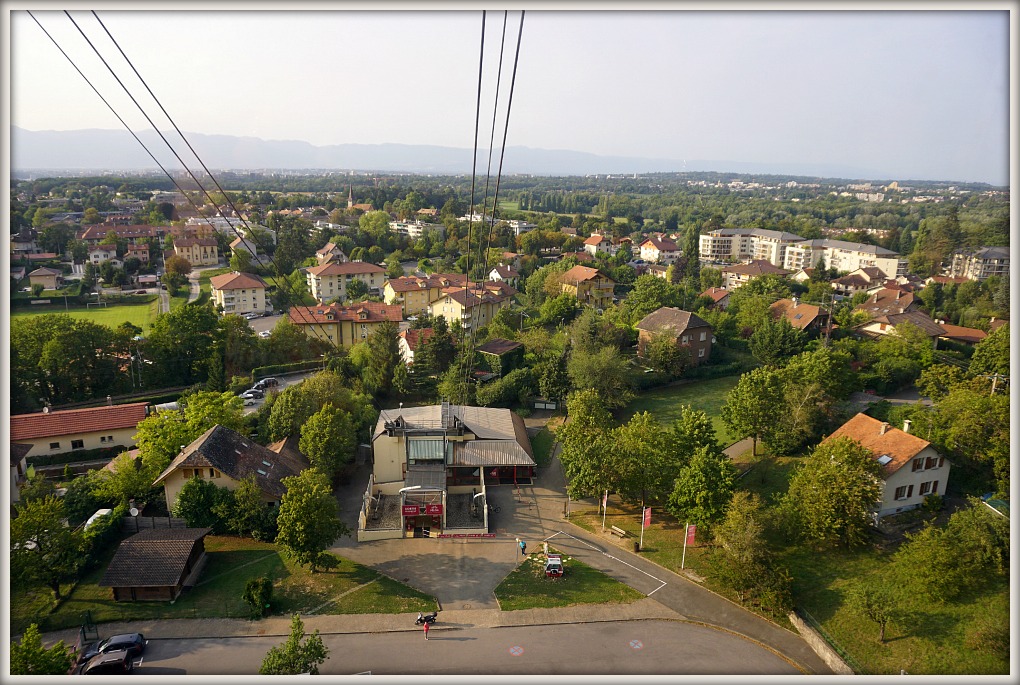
{"points": [[467, 535], [648, 518], [434, 509], [605, 499], [691, 529], [410, 510]]}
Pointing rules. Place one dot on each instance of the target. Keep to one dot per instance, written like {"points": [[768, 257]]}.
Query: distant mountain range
{"points": [[107, 150]]}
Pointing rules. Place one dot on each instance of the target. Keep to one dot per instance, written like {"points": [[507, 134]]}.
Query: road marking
{"points": [[516, 650], [636, 644], [607, 554]]}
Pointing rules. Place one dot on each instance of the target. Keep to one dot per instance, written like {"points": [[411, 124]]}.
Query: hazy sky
{"points": [[912, 94]]}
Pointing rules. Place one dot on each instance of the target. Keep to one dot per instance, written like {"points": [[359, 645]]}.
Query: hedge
{"points": [[75, 456], [260, 372]]}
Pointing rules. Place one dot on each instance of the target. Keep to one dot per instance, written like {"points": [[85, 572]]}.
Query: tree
{"points": [[295, 657], [586, 447], [834, 492], [258, 595], [645, 471], [179, 344], [198, 502], [328, 440], [29, 657], [43, 550], [991, 355], [754, 407], [308, 520], [560, 309], [356, 289], [666, 356], [37, 289], [290, 410], [178, 265], [604, 371], [875, 601], [247, 513], [383, 358], [775, 340], [553, 380], [703, 488]]}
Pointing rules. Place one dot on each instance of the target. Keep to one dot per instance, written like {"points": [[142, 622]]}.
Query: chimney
{"points": [[906, 425], [898, 293], [795, 302], [883, 428], [109, 401]]}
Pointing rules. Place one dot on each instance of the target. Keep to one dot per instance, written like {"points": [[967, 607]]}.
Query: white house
{"points": [[912, 469]]}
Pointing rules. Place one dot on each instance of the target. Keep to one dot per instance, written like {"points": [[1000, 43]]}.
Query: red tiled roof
{"points": [[963, 334], [416, 336], [579, 274], [375, 311], [756, 267], [345, 269], [902, 447], [800, 316], [73, 421], [594, 240], [716, 294], [408, 283], [235, 280], [661, 243], [39, 256], [505, 271], [191, 242]]}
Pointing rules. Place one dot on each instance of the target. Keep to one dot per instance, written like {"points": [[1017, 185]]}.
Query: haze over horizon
{"points": [[920, 95]]}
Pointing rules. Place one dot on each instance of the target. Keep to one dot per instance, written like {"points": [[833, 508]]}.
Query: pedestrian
{"points": [[426, 629], [524, 548]]}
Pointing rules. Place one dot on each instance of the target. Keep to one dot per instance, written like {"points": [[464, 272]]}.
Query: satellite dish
{"points": [[133, 511]]}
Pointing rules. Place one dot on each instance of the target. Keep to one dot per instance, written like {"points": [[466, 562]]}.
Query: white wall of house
{"points": [[907, 488], [80, 441]]}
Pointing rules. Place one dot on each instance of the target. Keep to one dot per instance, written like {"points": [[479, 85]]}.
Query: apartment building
{"points": [[743, 244], [980, 264], [843, 256], [329, 281], [239, 293], [343, 326]]}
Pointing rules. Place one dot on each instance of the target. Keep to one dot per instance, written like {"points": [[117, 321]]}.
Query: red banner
{"points": [[467, 535], [691, 529], [410, 510], [648, 518], [434, 509], [605, 499]]}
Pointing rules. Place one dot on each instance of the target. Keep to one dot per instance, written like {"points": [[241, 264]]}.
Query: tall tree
{"points": [[605, 371], [754, 407], [328, 440], [775, 340], [43, 550], [834, 492], [295, 657], [703, 488], [384, 355], [309, 520], [586, 445]]}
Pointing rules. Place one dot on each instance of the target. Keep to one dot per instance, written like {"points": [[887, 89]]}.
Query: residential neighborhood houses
{"points": [[429, 388]]}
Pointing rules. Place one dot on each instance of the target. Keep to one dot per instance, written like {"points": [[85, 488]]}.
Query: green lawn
{"points": [[707, 395], [141, 315], [542, 444], [526, 587], [232, 562]]}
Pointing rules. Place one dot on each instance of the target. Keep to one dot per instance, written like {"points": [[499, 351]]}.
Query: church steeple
{"points": [[350, 196]]}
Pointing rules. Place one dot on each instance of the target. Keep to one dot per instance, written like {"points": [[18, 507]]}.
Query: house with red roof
{"points": [[659, 249], [68, 430], [329, 281], [802, 316], [740, 274], [343, 326], [409, 340], [590, 286], [720, 297], [239, 293], [911, 468], [198, 251]]}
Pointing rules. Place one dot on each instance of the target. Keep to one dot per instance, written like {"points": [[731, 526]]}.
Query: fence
{"points": [[835, 646], [134, 524]]}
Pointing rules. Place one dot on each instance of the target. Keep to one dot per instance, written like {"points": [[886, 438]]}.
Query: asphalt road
{"points": [[615, 648]]}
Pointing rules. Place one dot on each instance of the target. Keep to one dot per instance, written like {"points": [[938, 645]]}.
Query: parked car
{"points": [[249, 402], [268, 382], [139, 292], [554, 566], [134, 643], [264, 334], [117, 661], [252, 394]]}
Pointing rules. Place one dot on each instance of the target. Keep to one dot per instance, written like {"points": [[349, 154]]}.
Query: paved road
{"points": [[623, 648]]}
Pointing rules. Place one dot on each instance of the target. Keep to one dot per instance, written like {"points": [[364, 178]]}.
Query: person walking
{"points": [[425, 628]]}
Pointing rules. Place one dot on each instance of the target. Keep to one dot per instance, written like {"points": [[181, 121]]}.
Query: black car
{"points": [[117, 661], [134, 643]]}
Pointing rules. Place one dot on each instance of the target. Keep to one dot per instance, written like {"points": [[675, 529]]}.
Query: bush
{"points": [[275, 369], [258, 595], [101, 535], [76, 456], [507, 390]]}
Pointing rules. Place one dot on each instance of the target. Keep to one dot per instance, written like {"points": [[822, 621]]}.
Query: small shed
{"points": [[500, 356], [156, 565]]}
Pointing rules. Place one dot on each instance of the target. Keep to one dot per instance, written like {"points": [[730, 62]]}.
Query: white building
{"points": [[239, 293], [415, 229], [329, 281], [980, 264], [742, 244], [843, 256]]}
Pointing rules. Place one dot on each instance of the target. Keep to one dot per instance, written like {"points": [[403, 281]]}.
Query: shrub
{"points": [[258, 595]]}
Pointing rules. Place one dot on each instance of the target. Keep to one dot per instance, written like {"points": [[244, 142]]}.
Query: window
{"points": [[54, 445], [684, 340], [904, 491], [930, 463], [925, 488], [109, 438], [77, 444], [213, 473], [702, 336], [917, 465], [941, 461], [186, 473], [701, 353], [934, 487], [102, 439]]}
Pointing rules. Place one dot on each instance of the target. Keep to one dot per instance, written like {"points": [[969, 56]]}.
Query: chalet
{"points": [[590, 286], [242, 243], [102, 253], [343, 326], [198, 251], [599, 243], [139, 252], [502, 272], [239, 293], [472, 307], [67, 430], [329, 281], [740, 274], [720, 297], [225, 458], [330, 252], [804, 317], [50, 279], [688, 330], [911, 468], [659, 249]]}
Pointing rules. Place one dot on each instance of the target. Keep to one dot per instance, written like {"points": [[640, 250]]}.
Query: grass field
{"points": [[232, 562], [141, 315], [526, 587], [665, 403]]}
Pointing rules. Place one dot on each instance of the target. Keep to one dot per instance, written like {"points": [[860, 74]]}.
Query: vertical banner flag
{"points": [[648, 518], [691, 529], [605, 499]]}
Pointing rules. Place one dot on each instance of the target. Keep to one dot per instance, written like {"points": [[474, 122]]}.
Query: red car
{"points": [[554, 566]]}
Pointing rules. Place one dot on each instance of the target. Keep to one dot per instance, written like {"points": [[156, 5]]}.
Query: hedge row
{"points": [[77, 455], [264, 371]]}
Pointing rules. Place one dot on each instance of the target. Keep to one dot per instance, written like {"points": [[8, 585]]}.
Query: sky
{"points": [[911, 94]]}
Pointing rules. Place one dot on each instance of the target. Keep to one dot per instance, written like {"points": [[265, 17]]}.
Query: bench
{"points": [[618, 531]]}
